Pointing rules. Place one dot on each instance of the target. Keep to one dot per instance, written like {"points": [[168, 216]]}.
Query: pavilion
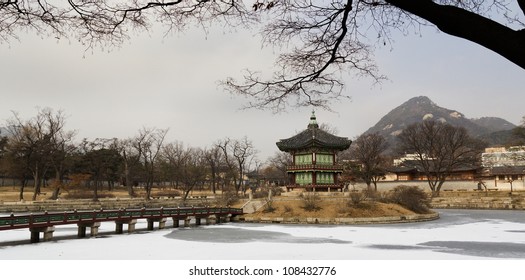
{"points": [[314, 158]]}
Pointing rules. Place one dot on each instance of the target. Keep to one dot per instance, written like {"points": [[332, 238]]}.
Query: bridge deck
{"points": [[48, 219]]}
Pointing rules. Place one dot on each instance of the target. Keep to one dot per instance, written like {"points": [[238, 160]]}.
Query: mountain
{"points": [[422, 108], [494, 124]]}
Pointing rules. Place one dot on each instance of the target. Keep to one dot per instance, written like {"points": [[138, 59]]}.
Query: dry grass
{"points": [[330, 208], [13, 194]]}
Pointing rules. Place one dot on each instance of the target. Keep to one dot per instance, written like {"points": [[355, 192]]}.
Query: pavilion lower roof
{"points": [[314, 137]]}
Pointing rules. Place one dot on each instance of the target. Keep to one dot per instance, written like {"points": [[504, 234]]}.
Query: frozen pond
{"points": [[457, 235]]}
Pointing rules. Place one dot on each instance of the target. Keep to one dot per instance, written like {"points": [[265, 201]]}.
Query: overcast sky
{"points": [[172, 82]]}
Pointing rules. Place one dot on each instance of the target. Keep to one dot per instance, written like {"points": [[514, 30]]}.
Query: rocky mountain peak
{"points": [[420, 108]]}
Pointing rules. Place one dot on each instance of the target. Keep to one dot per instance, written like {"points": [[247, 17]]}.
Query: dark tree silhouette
{"points": [[368, 150]]}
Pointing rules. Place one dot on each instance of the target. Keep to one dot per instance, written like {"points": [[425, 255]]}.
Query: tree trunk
{"points": [[95, 190], [22, 187], [58, 184], [213, 182], [438, 188], [148, 191], [37, 183], [127, 180]]}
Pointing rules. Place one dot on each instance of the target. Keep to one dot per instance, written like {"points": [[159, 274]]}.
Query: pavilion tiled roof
{"points": [[313, 136]]}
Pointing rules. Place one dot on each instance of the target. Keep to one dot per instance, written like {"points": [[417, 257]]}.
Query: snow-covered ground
{"points": [[458, 240]]}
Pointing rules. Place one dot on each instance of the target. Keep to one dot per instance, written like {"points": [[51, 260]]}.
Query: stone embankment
{"points": [[509, 202], [88, 204], [344, 221]]}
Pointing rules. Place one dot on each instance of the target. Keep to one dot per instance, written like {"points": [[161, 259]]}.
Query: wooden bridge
{"points": [[45, 222]]}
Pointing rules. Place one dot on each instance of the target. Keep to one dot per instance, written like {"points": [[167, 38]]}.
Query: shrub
{"points": [[264, 191], [228, 198], [268, 206], [168, 193], [412, 198], [311, 201], [357, 198]]}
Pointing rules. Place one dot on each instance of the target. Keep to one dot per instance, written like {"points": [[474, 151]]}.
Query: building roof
{"points": [[507, 170], [415, 166], [313, 136]]}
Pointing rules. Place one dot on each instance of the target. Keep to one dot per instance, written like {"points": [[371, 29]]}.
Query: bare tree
{"points": [[193, 170], [440, 148], [368, 150], [148, 144], [280, 162], [15, 163], [215, 159], [101, 160], [231, 173], [244, 152], [186, 167], [41, 143], [238, 155], [3, 161], [61, 148], [173, 155], [319, 39], [131, 164]]}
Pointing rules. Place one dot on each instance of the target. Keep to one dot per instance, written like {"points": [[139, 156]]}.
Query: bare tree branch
{"points": [[320, 40]]}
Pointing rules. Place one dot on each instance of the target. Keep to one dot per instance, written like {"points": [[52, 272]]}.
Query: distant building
{"points": [[501, 156], [504, 165], [411, 170], [314, 162]]}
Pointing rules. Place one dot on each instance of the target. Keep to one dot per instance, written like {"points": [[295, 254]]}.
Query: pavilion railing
{"points": [[315, 167]]}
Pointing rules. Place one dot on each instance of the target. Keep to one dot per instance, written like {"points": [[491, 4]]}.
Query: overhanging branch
{"points": [[470, 26]]}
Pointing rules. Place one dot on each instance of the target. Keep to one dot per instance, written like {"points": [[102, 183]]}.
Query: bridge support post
{"points": [[187, 222], [118, 227], [92, 232], [35, 233], [131, 225], [222, 219], [211, 220], [197, 221], [81, 230], [162, 223], [175, 222], [151, 222]]}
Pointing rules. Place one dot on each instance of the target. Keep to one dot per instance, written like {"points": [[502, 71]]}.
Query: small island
{"points": [[403, 204], [317, 194]]}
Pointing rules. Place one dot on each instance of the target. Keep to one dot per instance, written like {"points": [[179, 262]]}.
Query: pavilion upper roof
{"points": [[313, 136]]}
